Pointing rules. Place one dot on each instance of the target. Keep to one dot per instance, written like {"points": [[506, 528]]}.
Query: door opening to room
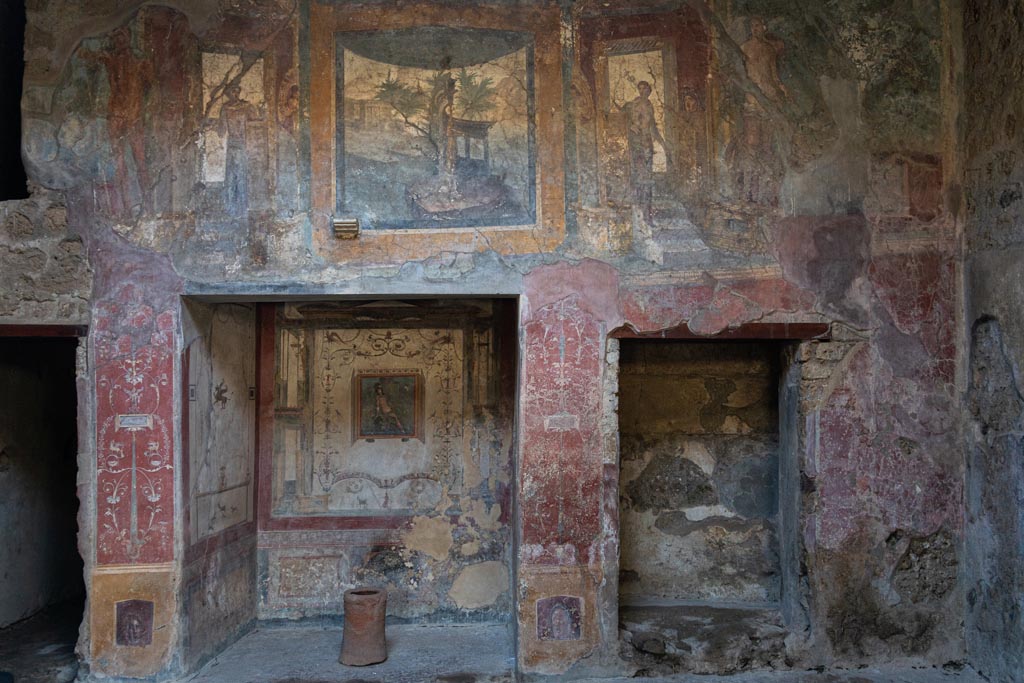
{"points": [[700, 574], [42, 591]]}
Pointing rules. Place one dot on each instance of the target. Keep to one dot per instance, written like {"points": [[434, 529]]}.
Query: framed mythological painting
{"points": [[387, 406], [430, 119], [647, 74], [435, 127]]}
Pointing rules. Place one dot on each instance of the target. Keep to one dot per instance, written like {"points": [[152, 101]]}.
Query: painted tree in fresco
{"points": [[409, 102], [438, 146], [475, 95], [431, 111]]}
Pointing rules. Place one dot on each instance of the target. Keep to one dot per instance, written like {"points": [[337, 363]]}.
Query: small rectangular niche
{"points": [[699, 480]]}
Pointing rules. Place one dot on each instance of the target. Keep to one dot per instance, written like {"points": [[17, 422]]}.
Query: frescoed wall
{"points": [[704, 168], [388, 457], [438, 127], [218, 470]]}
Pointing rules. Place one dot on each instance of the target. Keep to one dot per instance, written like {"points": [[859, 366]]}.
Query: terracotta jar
{"points": [[363, 641]]}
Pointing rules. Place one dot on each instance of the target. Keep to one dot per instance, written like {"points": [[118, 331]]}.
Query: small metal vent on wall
{"points": [[345, 228]]}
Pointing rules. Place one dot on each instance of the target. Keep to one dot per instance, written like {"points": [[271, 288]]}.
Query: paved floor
{"points": [[41, 649], [472, 653], [858, 676]]}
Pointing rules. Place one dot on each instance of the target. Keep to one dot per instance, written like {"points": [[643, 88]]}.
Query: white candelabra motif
{"points": [[135, 446]]}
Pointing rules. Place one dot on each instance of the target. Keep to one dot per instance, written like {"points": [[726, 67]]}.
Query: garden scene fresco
{"points": [[432, 137]]}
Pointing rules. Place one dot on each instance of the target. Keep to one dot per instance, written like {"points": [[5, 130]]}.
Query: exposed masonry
{"points": [[44, 269]]}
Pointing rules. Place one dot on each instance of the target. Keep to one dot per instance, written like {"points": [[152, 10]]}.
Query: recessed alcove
{"points": [[702, 452], [343, 443]]}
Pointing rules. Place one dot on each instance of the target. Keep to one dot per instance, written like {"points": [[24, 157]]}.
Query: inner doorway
{"points": [[42, 590], [701, 578]]}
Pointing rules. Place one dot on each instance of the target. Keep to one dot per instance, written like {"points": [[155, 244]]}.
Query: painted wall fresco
{"points": [[234, 131], [563, 349], [218, 474], [474, 163], [435, 127], [695, 180], [642, 138], [788, 164], [133, 403], [221, 390], [389, 458], [133, 91], [381, 429], [134, 431]]}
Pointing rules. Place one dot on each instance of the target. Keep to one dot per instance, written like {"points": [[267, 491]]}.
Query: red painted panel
{"points": [[875, 448], [264, 411], [134, 431], [918, 292], [711, 310], [561, 405], [751, 331]]}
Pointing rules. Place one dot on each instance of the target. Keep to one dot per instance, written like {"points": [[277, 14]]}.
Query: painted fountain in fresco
{"points": [[435, 128]]}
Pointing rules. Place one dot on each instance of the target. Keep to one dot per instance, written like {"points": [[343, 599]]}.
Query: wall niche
{"points": [[386, 456], [699, 504]]}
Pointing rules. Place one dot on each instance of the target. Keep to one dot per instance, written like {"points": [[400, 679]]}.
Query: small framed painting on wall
{"points": [[387, 405]]}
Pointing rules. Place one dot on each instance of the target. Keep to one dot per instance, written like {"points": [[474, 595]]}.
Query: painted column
{"points": [[565, 320], [133, 590]]}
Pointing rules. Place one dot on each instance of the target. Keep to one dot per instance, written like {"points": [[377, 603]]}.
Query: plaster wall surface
{"points": [[220, 566], [994, 235]]}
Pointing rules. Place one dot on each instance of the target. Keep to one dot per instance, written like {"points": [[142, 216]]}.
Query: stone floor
{"points": [[41, 649], [859, 676], [661, 639], [472, 653]]}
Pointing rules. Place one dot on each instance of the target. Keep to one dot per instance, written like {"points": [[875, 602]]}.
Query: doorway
{"points": [[42, 590], [700, 574]]}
